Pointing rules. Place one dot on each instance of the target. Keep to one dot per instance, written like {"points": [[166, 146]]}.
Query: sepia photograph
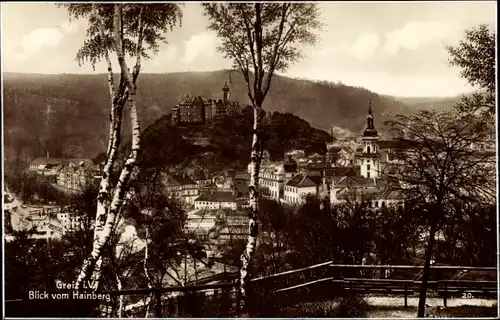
{"points": [[238, 159]]}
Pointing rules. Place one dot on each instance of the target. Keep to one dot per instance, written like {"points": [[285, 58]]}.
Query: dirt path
{"points": [[432, 302]]}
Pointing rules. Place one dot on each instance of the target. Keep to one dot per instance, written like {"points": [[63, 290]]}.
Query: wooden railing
{"points": [[269, 293]]}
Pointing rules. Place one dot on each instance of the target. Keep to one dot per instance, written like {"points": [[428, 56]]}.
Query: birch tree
{"points": [[260, 39], [450, 163], [130, 31]]}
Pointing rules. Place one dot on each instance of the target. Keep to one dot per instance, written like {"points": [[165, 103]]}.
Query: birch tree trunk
{"points": [[253, 227], [120, 297], [146, 273], [103, 198], [107, 213]]}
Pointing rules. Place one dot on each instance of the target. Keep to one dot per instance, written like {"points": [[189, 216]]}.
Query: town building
{"points": [[201, 177], [240, 183], [44, 226], [340, 155], [47, 166], [200, 221], [300, 186], [216, 200], [358, 189], [75, 176], [274, 176], [70, 221], [223, 182], [295, 154], [235, 227], [181, 186]]}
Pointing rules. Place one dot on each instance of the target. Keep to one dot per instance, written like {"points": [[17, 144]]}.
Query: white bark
{"points": [[113, 144], [120, 297], [107, 214], [146, 272], [253, 228]]}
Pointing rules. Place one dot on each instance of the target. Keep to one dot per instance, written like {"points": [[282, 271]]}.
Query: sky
{"points": [[390, 48]]}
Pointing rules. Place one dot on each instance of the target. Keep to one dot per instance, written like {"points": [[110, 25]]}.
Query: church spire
{"points": [[370, 127]]}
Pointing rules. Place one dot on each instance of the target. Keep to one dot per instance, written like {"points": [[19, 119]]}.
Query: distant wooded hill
{"points": [[67, 114]]}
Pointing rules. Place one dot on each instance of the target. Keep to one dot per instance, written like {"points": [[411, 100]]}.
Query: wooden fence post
{"points": [[445, 294], [158, 304], [406, 295], [216, 302]]}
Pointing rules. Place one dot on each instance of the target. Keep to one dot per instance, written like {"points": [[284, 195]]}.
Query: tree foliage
{"points": [[158, 20], [261, 39], [451, 162], [475, 55], [452, 158]]}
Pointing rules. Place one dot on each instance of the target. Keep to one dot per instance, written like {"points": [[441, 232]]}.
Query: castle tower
{"points": [[175, 116], [225, 93], [370, 159]]}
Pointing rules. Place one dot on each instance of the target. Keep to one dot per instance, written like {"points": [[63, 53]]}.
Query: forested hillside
{"points": [[164, 146], [67, 114]]}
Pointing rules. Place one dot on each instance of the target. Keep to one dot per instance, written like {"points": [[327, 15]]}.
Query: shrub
{"points": [[351, 306]]}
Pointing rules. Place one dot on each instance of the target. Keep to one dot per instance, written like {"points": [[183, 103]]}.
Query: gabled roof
{"points": [[190, 100], [341, 171], [179, 180], [64, 161], [198, 174], [242, 176], [354, 181], [319, 166], [218, 196], [379, 193], [304, 181]]}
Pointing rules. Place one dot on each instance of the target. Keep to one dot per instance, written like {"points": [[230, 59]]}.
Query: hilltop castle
{"points": [[200, 110]]}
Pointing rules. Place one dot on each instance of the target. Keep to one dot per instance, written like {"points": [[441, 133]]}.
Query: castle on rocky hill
{"points": [[200, 110]]}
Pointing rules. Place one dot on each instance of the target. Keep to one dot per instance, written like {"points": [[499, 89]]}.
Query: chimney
{"points": [[48, 155]]}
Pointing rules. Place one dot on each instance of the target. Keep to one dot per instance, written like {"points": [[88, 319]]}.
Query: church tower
{"points": [[370, 158], [225, 93]]}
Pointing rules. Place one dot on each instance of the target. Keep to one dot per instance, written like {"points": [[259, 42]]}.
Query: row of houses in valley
{"points": [[68, 173], [46, 222]]}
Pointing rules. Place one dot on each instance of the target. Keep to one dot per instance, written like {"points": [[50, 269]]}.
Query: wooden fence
{"points": [[268, 294]]}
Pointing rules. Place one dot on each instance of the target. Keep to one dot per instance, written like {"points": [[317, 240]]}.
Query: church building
{"points": [[369, 158]]}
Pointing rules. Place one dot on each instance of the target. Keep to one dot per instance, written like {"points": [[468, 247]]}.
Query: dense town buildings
{"points": [[351, 169]]}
